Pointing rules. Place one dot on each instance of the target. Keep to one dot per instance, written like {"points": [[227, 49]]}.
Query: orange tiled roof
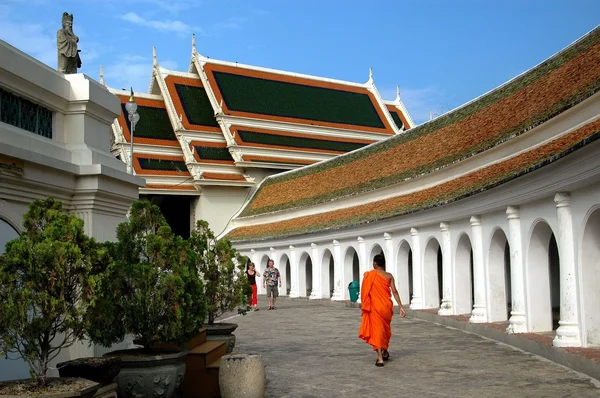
{"points": [[439, 195], [506, 112]]}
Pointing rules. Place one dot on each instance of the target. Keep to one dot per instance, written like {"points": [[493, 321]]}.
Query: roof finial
{"points": [[102, 76], [154, 60], [371, 81], [397, 93], [193, 43]]}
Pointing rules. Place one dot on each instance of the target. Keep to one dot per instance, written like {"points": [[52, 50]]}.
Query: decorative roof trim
{"points": [[360, 89], [140, 171], [170, 82]]}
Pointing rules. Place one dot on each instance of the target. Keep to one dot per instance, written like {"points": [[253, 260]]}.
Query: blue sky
{"points": [[442, 53]]}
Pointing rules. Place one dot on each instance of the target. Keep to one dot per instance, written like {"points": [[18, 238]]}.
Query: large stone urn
{"points": [[222, 332], [158, 373], [242, 375]]}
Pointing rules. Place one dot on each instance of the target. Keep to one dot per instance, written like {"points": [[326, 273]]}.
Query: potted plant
{"points": [[155, 295], [48, 278], [225, 285]]}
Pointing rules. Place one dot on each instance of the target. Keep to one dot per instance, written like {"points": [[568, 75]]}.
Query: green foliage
{"points": [[222, 270], [48, 278], [155, 291]]}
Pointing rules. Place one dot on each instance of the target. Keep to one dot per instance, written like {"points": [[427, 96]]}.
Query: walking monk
{"points": [[377, 308]]}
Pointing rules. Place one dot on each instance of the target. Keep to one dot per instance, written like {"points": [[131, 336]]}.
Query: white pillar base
{"points": [[478, 315], [314, 296], [446, 308], [517, 323], [338, 295], [567, 335], [294, 293], [416, 303]]}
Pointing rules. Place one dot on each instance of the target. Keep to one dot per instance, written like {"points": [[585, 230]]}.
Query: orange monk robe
{"points": [[377, 310]]}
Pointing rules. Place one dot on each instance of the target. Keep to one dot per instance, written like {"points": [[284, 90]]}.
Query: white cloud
{"points": [[132, 71], [178, 27], [33, 39], [419, 102]]}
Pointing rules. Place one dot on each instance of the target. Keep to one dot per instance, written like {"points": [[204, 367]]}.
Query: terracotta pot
{"points": [[149, 373]]}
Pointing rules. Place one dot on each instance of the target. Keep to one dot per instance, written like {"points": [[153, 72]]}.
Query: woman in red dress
{"points": [[252, 274]]}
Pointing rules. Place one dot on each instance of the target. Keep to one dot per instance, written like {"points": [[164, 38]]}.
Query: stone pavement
{"points": [[311, 349]]}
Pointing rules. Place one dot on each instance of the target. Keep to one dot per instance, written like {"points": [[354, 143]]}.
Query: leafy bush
{"points": [[222, 270], [155, 292], [48, 278]]}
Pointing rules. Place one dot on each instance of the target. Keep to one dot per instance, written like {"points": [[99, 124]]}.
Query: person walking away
{"points": [[271, 280], [252, 274], [377, 308]]}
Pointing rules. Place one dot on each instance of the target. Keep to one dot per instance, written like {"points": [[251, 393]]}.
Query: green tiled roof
{"points": [[165, 165], [154, 123], [212, 153], [196, 105], [297, 142], [397, 119], [282, 99]]}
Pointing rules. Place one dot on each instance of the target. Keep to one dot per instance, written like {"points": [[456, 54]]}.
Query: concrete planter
{"points": [[222, 332], [83, 393], [157, 373], [242, 375]]}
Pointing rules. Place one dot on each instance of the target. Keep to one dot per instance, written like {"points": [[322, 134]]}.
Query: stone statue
{"points": [[66, 41]]}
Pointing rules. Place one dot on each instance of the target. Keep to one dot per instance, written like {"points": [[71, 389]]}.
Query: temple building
{"points": [[490, 211], [208, 136]]}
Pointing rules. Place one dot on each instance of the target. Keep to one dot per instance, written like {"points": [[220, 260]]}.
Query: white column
{"points": [[479, 314], [390, 261], [317, 281], [418, 284], [362, 259], [253, 258], [338, 291], [446, 306], [518, 319], [294, 289], [568, 333]]}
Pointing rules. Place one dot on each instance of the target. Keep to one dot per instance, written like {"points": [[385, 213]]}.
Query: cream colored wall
{"points": [[218, 205]]}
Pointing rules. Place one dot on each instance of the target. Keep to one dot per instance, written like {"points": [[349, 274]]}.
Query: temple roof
{"points": [[225, 118], [499, 116]]}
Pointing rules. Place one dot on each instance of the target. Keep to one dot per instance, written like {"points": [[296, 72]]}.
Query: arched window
{"points": [[7, 233]]}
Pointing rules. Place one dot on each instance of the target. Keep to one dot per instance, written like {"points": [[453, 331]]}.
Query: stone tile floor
{"points": [[311, 349]]}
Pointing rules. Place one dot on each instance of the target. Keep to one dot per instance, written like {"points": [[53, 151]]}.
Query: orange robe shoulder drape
{"points": [[377, 310]]}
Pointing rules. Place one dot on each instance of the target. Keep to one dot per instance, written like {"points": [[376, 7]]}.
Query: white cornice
{"points": [[285, 153], [303, 128], [151, 149], [203, 60]]}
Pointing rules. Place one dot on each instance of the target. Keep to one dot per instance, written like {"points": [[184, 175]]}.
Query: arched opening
{"points": [[590, 255], [375, 251], [543, 279], [260, 268], [284, 271], [305, 273], [11, 368], [404, 266], [351, 269], [327, 274], [499, 277], [463, 276], [288, 280], [432, 272]]}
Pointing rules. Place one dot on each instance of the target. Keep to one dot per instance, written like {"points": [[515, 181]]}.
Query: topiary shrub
{"points": [[48, 278]]}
